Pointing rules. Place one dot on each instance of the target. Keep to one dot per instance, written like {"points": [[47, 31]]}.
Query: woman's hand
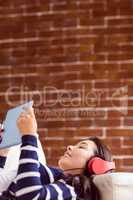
{"points": [[27, 122]]}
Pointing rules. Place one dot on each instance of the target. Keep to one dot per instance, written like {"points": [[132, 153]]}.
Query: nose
{"points": [[70, 147]]}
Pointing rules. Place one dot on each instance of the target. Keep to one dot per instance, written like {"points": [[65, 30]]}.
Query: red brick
{"points": [[65, 22], [128, 121], [91, 57], [118, 163], [115, 114], [78, 32], [5, 70], [120, 21], [109, 31], [64, 41], [128, 142], [52, 143], [108, 83], [122, 151], [125, 11], [60, 133], [40, 8], [127, 56], [64, 7], [102, 13], [130, 112], [77, 67], [100, 68], [112, 142], [127, 66], [50, 33], [78, 86], [119, 132], [86, 5], [125, 75], [84, 21], [23, 69], [57, 153], [107, 123], [128, 162], [57, 124]]}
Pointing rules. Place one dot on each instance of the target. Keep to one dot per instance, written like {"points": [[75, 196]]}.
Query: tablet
{"points": [[11, 136]]}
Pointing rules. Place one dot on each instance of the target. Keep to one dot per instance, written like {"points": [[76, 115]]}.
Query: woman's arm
{"points": [[28, 180]]}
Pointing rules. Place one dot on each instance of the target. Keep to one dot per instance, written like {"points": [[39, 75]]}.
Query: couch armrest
{"points": [[115, 186]]}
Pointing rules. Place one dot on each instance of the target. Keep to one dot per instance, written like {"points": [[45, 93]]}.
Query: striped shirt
{"points": [[6, 175], [35, 181], [2, 161]]}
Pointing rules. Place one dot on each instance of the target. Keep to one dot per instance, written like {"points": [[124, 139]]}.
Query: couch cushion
{"points": [[115, 186]]}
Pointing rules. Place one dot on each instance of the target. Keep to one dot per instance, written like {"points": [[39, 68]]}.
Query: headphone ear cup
{"points": [[99, 166]]}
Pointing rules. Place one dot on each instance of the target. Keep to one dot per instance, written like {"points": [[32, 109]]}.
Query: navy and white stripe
{"points": [[35, 181]]}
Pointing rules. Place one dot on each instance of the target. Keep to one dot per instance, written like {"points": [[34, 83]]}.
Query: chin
{"points": [[63, 164]]}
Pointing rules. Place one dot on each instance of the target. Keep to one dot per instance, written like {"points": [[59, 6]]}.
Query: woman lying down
{"points": [[71, 181]]}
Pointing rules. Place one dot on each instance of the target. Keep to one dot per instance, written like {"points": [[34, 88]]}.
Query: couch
{"points": [[115, 186]]}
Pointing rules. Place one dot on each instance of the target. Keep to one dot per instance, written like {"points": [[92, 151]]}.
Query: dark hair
{"points": [[83, 184]]}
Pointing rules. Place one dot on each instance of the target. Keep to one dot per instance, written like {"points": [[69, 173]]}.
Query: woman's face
{"points": [[76, 156]]}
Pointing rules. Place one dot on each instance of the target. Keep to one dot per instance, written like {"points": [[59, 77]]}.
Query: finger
{"points": [[22, 114], [25, 116], [20, 119], [29, 111]]}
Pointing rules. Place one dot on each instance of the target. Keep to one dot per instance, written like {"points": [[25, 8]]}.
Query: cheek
{"points": [[75, 161], [79, 162], [80, 158]]}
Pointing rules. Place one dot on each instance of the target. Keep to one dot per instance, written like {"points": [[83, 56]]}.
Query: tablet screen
{"points": [[11, 136]]}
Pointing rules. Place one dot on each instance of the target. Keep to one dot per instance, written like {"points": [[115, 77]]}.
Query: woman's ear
{"points": [[97, 165], [88, 171]]}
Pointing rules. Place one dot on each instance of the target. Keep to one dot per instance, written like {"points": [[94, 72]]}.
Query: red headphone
{"points": [[97, 166]]}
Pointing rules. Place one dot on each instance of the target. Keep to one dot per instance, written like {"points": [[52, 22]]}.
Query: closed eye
{"points": [[82, 147]]}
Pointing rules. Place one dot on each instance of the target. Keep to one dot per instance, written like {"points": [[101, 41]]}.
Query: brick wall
{"points": [[75, 59]]}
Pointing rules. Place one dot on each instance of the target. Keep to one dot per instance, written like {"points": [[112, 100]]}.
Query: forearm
{"points": [[28, 178]]}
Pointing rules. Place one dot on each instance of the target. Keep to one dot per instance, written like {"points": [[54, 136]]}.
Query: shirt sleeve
{"points": [[28, 180], [2, 161], [50, 174]]}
